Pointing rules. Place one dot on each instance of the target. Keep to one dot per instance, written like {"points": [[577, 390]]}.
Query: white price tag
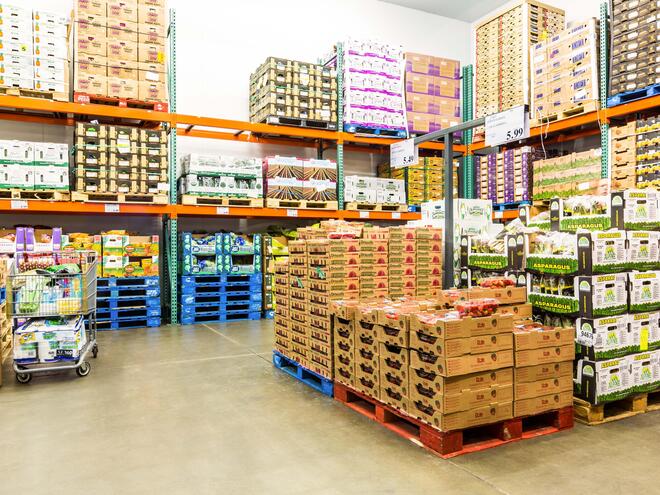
{"points": [[222, 210], [404, 153], [291, 213], [498, 214], [111, 208], [19, 204], [364, 214], [507, 126], [396, 215]]}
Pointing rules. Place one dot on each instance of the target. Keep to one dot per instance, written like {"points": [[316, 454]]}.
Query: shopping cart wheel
{"points": [[84, 369], [23, 377], [95, 351]]}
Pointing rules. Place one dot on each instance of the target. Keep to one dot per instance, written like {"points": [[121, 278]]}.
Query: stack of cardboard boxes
{"points": [[358, 189], [34, 51], [119, 49], [226, 176], [423, 182], [34, 166], [286, 89], [543, 374], [297, 179], [433, 92], [115, 159], [505, 177], [503, 57], [634, 61], [565, 72], [569, 175], [634, 156]]}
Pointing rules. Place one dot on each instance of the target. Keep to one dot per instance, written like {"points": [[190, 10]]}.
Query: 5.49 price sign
{"points": [[507, 126]]}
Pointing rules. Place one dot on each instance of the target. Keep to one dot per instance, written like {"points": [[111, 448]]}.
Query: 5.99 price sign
{"points": [[507, 126]]}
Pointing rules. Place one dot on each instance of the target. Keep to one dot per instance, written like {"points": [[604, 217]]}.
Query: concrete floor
{"points": [[201, 409]]}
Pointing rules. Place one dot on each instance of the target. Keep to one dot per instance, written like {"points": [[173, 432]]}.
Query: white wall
{"points": [[575, 9]]}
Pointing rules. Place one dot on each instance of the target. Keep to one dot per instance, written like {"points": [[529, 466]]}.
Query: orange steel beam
{"points": [[71, 207], [63, 107], [633, 107], [36, 119]]}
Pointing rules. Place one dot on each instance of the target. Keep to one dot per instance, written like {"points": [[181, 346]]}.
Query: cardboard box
{"points": [[432, 384], [446, 328], [538, 337], [545, 355], [126, 51], [91, 25], [462, 365], [92, 45], [151, 54], [123, 9], [151, 34], [465, 419], [509, 295], [151, 14], [122, 88], [458, 347], [393, 357], [122, 30], [537, 405], [394, 397], [93, 7], [468, 399], [153, 91], [548, 386], [394, 379]]}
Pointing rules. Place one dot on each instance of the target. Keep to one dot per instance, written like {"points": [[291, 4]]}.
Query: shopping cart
{"points": [[52, 286]]}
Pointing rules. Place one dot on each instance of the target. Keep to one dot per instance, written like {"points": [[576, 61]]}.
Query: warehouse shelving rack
{"points": [[22, 109]]}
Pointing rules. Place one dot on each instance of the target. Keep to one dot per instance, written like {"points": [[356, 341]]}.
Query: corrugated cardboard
{"points": [[545, 355], [542, 404], [543, 372], [463, 365], [543, 337], [529, 390]]}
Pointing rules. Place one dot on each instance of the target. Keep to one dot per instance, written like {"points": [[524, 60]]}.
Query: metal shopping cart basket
{"points": [[49, 297]]}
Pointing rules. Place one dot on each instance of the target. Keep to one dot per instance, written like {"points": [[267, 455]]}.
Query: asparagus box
{"points": [[643, 251], [648, 327], [603, 381], [635, 209], [644, 291], [606, 338], [603, 295]]}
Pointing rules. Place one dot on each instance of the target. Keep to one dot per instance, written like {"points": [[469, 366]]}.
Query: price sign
{"points": [[222, 210], [403, 154], [111, 208], [291, 213], [507, 126], [396, 215], [19, 204], [364, 214]]}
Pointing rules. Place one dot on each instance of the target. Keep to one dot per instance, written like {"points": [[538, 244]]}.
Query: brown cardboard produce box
{"points": [[468, 399], [459, 347], [529, 390], [508, 295], [543, 337], [518, 311], [542, 404], [545, 355], [446, 328], [394, 397], [395, 379], [393, 357], [463, 419], [462, 365], [543, 372], [456, 385], [392, 335]]}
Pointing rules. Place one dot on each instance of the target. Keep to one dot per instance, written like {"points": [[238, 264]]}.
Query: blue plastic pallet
{"points": [[192, 299], [636, 94], [133, 302], [3, 294], [127, 282], [219, 278], [300, 373], [269, 314], [226, 288], [375, 131], [220, 317], [126, 323], [115, 314], [510, 206], [201, 309], [414, 208], [126, 294]]}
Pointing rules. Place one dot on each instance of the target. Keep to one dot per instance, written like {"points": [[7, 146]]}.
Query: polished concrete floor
{"points": [[201, 410]]}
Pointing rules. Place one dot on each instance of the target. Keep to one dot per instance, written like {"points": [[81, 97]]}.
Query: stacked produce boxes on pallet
{"points": [[505, 177], [634, 63], [221, 180], [294, 93], [433, 92], [34, 49], [565, 73], [374, 99], [119, 53], [120, 164], [292, 182], [423, 182], [34, 170], [221, 278], [634, 155], [568, 175], [374, 193], [503, 59], [274, 249]]}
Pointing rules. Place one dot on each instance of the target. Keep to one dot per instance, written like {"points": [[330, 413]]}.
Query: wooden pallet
{"points": [[361, 206], [588, 106], [34, 93], [85, 98], [301, 203], [50, 195], [447, 444], [590, 414], [93, 197], [191, 199]]}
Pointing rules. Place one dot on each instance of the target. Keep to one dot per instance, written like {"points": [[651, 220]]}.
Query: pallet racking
{"points": [[52, 112]]}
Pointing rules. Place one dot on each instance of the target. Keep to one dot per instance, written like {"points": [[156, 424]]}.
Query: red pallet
{"points": [[85, 98], [447, 444]]}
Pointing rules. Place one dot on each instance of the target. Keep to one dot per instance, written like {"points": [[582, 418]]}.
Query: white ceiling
{"points": [[465, 10]]}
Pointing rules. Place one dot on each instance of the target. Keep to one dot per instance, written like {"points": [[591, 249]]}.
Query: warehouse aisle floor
{"points": [[200, 409]]}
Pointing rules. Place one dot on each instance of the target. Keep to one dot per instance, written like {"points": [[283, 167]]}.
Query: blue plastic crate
{"points": [[633, 95], [201, 280], [302, 374], [128, 293], [221, 298], [251, 278]]}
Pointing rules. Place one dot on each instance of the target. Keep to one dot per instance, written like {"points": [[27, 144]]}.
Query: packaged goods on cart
{"points": [[49, 340]]}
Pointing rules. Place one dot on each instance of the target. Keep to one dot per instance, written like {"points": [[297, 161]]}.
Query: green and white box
{"points": [[603, 381], [644, 291], [643, 250], [648, 327], [645, 371], [606, 338], [51, 166]]}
